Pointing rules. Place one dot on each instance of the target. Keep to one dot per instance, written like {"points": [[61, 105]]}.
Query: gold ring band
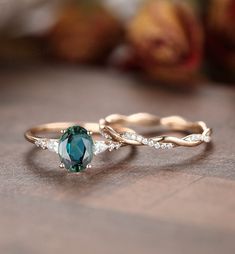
{"points": [[34, 134], [198, 131]]}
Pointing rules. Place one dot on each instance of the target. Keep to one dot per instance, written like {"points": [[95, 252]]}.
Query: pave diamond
{"points": [[145, 141], [41, 143], [50, 144], [133, 136], [169, 145], [102, 146], [193, 137], [129, 135], [164, 146], [114, 145], [157, 145], [151, 142], [207, 139], [139, 138]]}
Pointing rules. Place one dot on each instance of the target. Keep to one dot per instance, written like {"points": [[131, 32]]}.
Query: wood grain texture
{"points": [[132, 200]]}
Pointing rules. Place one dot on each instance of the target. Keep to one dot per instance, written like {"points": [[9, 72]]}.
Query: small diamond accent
{"points": [[157, 145], [164, 146], [151, 142], [198, 137], [133, 136], [126, 135], [193, 137], [50, 144], [99, 147], [130, 135], [102, 146], [206, 139], [114, 145], [145, 141], [111, 147], [139, 138], [169, 145], [41, 143]]}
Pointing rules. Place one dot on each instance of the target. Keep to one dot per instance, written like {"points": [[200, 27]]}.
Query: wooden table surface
{"points": [[132, 201]]}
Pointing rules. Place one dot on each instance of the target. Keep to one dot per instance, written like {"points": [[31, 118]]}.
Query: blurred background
{"points": [[174, 42]]}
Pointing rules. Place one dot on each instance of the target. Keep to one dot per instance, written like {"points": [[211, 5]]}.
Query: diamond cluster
{"points": [[102, 146], [197, 137], [147, 141], [50, 144], [159, 145]]}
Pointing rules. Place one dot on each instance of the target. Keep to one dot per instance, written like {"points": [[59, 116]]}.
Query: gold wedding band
{"points": [[198, 132]]}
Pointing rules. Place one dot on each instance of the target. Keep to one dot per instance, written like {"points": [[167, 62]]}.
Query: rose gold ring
{"points": [[197, 132], [74, 142]]}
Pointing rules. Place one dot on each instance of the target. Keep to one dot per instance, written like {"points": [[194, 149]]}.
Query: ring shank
{"points": [[33, 134]]}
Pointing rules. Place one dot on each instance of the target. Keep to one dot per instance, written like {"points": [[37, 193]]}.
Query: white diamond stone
{"points": [[151, 142], [197, 137], [169, 145], [117, 145], [193, 137], [123, 135], [145, 141], [133, 136], [139, 138], [157, 145], [107, 136], [38, 143], [41, 143], [52, 145], [164, 146], [99, 147], [207, 139], [126, 135]]}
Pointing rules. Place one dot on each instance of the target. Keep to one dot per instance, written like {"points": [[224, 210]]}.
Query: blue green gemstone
{"points": [[76, 148]]}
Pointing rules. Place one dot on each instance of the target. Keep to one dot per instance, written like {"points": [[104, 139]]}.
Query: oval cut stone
{"points": [[75, 148]]}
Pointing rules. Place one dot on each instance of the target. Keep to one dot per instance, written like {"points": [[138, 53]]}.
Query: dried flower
{"points": [[84, 32], [167, 40], [220, 27]]}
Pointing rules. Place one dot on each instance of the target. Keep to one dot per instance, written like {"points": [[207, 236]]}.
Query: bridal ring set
{"points": [[76, 143]]}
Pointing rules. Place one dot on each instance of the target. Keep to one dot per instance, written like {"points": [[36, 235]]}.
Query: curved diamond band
{"points": [[197, 132]]}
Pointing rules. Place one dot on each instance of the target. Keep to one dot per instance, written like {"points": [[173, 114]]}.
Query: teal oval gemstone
{"points": [[76, 148]]}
